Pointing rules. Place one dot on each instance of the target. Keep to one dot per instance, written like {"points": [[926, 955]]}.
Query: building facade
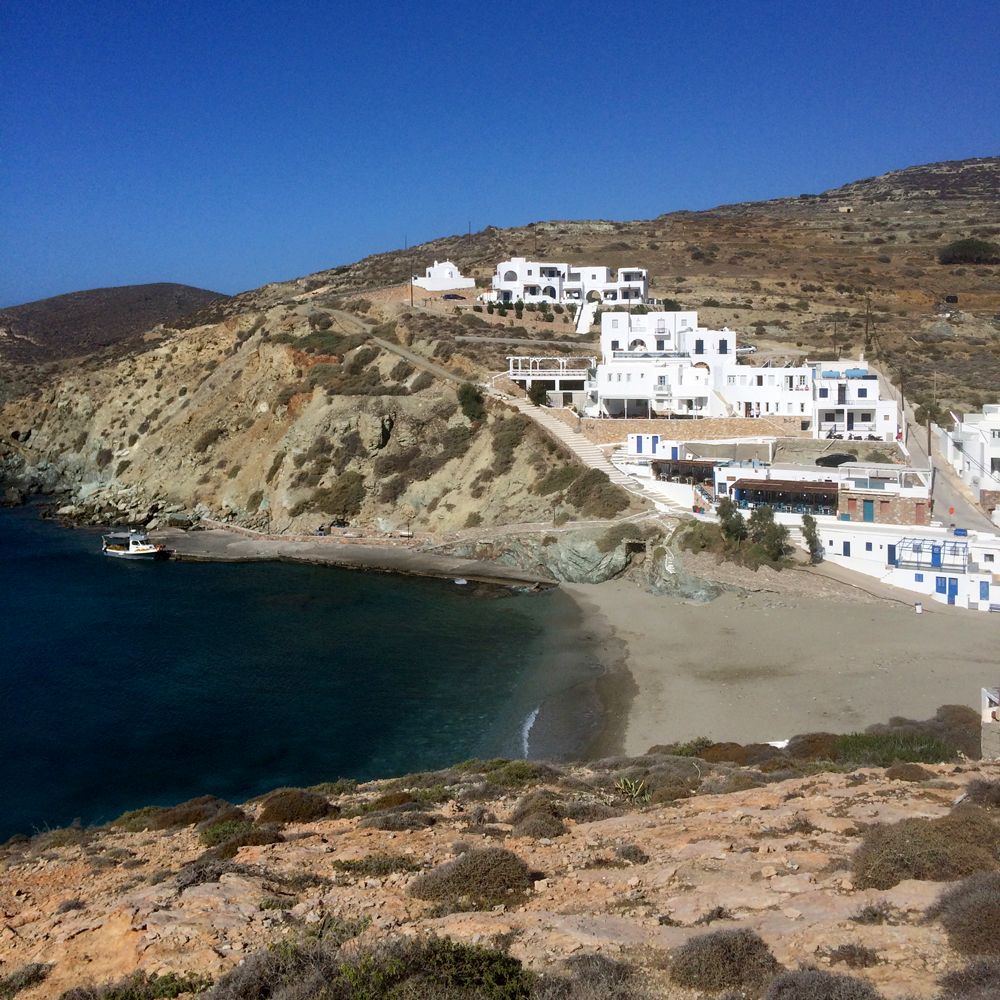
{"points": [[443, 276], [973, 449], [519, 279]]}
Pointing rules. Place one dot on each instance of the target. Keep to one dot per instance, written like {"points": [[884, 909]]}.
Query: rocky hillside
{"points": [[703, 870], [293, 416]]}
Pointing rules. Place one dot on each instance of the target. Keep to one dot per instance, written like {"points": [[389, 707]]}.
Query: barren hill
{"points": [[79, 323]]}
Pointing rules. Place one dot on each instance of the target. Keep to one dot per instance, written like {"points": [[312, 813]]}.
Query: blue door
{"points": [[952, 589], [984, 590], [656, 443], [638, 444], [892, 555], [847, 548], [868, 510], [935, 555], [673, 452]]}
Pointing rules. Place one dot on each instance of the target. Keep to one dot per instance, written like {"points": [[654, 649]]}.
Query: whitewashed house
{"points": [[519, 279], [973, 449], [443, 276]]}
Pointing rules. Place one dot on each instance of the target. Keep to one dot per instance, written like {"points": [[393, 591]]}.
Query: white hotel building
{"points": [[662, 364], [519, 279]]}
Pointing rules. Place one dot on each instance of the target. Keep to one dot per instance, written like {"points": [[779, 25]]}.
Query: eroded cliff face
{"points": [[284, 417]]}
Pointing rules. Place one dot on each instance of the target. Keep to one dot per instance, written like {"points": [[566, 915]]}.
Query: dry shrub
{"points": [[722, 959], [937, 850], [632, 853], [812, 746], [589, 812], [377, 865], [592, 977], [957, 725], [984, 793], [295, 805], [539, 801], [23, 978], [141, 986], [253, 836], [203, 809], [398, 820], [813, 984], [908, 772], [477, 880], [970, 913], [979, 980], [873, 913], [854, 956], [539, 825]]}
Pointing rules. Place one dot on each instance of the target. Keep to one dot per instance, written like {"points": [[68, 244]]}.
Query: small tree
{"points": [[734, 527], [811, 534], [761, 521], [538, 394], [775, 541], [470, 398]]}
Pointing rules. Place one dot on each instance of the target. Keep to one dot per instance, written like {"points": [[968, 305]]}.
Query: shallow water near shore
{"points": [[127, 684]]}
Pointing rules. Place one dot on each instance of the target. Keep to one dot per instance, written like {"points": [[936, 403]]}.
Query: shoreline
{"points": [[220, 545], [755, 667]]}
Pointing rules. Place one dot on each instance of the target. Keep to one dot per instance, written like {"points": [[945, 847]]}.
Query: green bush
{"points": [[219, 832], [343, 499], [538, 394], [595, 495], [477, 880], [970, 914], [937, 850], [470, 398], [884, 749], [556, 480], [295, 805], [614, 536], [721, 959], [970, 251]]}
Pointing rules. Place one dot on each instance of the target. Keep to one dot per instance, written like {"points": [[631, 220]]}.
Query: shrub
{"points": [[632, 853], [403, 968], [538, 394], [970, 251], [979, 980], [343, 499], [936, 850], [908, 772], [198, 810], [255, 836], [207, 438], [984, 793], [518, 773], [424, 380], [104, 457], [397, 821], [141, 986], [218, 833], [614, 536], [556, 480], [970, 913], [295, 805], [811, 535], [474, 520], [470, 398], [477, 880], [813, 984], [377, 865], [854, 956], [873, 913], [594, 494], [720, 959], [23, 978], [537, 825]]}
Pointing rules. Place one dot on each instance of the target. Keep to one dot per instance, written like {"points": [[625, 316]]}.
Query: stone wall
{"points": [[708, 429], [888, 510]]}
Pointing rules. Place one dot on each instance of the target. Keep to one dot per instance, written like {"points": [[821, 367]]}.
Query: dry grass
{"points": [[970, 913], [477, 880], [295, 805]]}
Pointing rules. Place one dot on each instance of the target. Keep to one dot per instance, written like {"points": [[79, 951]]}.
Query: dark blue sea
{"points": [[128, 684]]}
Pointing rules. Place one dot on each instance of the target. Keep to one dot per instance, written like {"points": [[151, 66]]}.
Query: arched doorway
{"points": [[510, 276], [549, 291], [594, 296]]}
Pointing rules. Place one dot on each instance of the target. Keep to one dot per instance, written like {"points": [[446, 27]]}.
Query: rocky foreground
{"points": [[625, 858]]}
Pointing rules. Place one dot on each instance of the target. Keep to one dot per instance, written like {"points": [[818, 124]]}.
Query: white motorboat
{"points": [[132, 545]]}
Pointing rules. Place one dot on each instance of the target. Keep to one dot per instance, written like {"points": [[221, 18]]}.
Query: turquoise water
{"points": [[126, 684]]}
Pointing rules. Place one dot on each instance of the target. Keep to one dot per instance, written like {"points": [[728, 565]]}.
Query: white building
{"points": [[538, 281], [663, 364], [442, 276], [973, 449]]}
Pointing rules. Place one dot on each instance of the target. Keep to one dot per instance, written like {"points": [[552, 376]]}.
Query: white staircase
{"points": [[585, 319]]}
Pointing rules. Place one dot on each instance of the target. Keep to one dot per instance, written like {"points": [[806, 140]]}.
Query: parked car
{"points": [[834, 459], [746, 349], [452, 295]]}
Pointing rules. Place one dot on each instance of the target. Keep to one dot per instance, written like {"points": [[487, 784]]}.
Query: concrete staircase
{"points": [[586, 318]]}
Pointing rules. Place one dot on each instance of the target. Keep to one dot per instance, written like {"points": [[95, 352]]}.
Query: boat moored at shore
{"points": [[132, 545]]}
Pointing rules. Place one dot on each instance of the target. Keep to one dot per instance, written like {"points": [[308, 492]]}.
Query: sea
{"points": [[126, 684]]}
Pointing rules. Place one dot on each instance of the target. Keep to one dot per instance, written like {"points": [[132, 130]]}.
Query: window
{"points": [[661, 345], [723, 347], [866, 417], [615, 345], [731, 379], [530, 272], [699, 347], [862, 393], [868, 546], [830, 542], [760, 380], [918, 577], [823, 393], [987, 557], [614, 324]]}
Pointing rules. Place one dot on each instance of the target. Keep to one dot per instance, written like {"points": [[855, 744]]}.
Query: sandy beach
{"points": [[765, 666]]}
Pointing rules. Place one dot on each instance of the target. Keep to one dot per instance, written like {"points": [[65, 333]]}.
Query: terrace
{"points": [[785, 495]]}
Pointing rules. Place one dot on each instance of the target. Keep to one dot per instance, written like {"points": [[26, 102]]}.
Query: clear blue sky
{"points": [[226, 144]]}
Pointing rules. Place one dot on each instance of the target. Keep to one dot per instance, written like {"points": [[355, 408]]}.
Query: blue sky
{"points": [[227, 144]]}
